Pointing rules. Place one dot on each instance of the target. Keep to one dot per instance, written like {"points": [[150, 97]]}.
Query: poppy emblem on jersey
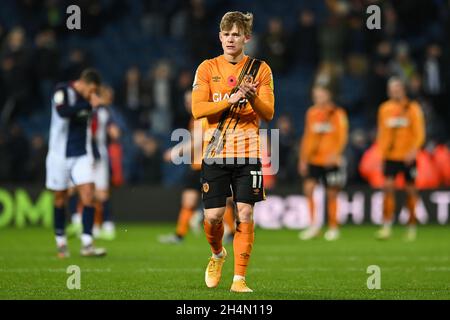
{"points": [[231, 81], [205, 187]]}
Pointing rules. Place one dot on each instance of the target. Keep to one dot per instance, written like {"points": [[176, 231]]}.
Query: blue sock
{"points": [[88, 219], [106, 210], [73, 203], [59, 220]]}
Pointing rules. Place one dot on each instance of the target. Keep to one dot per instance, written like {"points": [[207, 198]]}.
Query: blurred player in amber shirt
{"points": [[324, 139], [401, 133], [233, 105], [191, 181]]}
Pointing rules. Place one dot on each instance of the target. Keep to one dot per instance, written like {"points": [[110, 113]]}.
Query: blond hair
{"points": [[243, 21]]}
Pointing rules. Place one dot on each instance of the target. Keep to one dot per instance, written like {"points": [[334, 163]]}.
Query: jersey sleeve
{"points": [[306, 141], [418, 126], [201, 106], [65, 109], [264, 103], [342, 130], [383, 136]]}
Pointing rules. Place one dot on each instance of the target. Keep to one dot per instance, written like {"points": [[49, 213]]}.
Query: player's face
{"points": [[321, 96], [87, 89], [396, 90], [233, 41]]}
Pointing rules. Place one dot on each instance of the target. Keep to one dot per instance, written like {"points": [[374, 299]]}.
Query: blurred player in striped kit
{"points": [[102, 127], [70, 157]]}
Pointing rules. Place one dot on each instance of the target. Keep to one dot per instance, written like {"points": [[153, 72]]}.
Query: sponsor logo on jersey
{"points": [[322, 127], [397, 122]]}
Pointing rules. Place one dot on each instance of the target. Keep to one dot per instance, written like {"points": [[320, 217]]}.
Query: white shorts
{"points": [[101, 174], [65, 172]]}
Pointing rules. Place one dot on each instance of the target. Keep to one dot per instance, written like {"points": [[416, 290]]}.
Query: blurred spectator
{"points": [[19, 151], [5, 158], [93, 16], [46, 57], [358, 144], [377, 79], [16, 76], [156, 16], [274, 46], [434, 125], [55, 16], [332, 40], [403, 66], [184, 83], [288, 155], [161, 89], [38, 154], [78, 61], [147, 159], [133, 98], [434, 82], [198, 34], [305, 37], [353, 84]]}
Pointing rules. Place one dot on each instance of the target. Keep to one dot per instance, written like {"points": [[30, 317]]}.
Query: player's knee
{"points": [[245, 212], [389, 186], [308, 188], [332, 192], [189, 200], [87, 198], [101, 195], [411, 190], [59, 199], [214, 216]]}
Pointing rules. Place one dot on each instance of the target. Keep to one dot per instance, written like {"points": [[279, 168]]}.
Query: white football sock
{"points": [[61, 241], [238, 277], [86, 239], [218, 256]]}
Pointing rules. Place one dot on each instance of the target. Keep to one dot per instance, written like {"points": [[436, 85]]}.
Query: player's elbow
{"points": [[196, 114], [268, 116]]}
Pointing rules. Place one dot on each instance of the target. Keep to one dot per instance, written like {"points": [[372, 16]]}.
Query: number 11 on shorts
{"points": [[257, 179]]}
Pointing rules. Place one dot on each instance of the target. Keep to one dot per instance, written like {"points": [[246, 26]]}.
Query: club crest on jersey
{"points": [[205, 187], [231, 81]]}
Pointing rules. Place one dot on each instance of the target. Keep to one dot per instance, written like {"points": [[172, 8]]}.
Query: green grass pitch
{"points": [[282, 267]]}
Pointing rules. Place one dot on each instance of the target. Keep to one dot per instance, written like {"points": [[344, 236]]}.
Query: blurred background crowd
{"points": [[148, 51]]}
